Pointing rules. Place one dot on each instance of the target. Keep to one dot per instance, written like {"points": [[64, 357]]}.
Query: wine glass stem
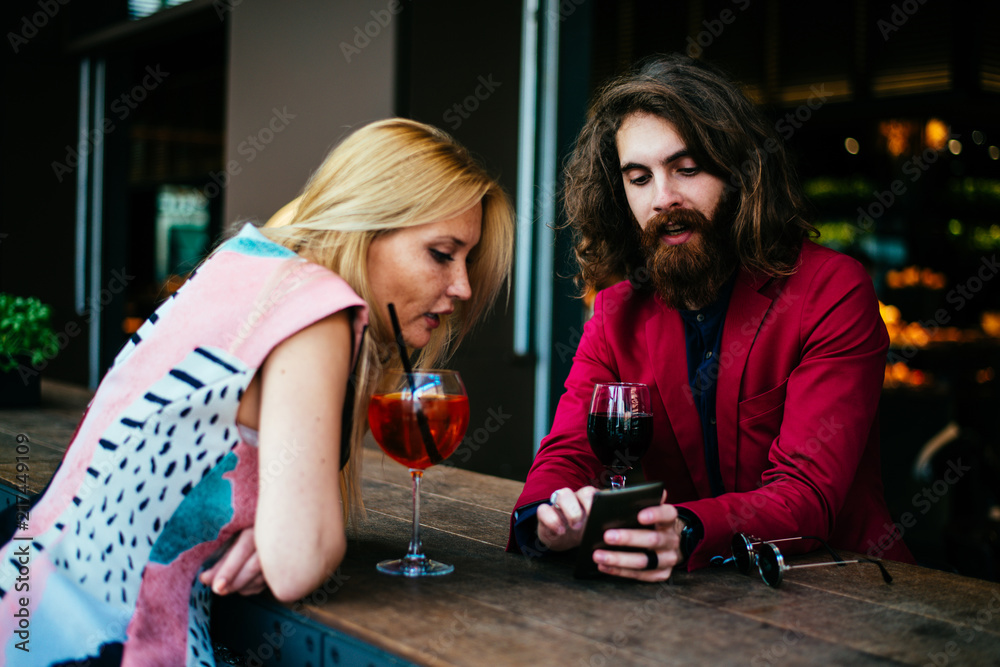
{"points": [[416, 549]]}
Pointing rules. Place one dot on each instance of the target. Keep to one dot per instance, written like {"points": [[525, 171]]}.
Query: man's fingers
{"points": [[642, 538], [634, 564], [657, 514], [634, 560], [640, 575], [569, 505], [550, 519], [586, 498]]}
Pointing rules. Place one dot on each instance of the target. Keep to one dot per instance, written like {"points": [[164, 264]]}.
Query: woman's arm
{"points": [[299, 528]]}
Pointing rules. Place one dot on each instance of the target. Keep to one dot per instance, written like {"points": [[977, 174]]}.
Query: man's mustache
{"points": [[657, 225]]}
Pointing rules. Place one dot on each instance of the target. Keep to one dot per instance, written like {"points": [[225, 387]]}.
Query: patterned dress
{"points": [[159, 476]]}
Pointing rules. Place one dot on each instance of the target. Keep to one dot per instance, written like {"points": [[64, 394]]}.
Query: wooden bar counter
{"points": [[505, 609]]}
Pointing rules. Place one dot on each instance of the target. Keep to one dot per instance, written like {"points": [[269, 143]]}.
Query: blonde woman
{"points": [[225, 425]]}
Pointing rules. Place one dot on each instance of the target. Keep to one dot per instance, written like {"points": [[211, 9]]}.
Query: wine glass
{"points": [[619, 426], [419, 421]]}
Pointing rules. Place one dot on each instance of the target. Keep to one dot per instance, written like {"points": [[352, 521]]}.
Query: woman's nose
{"points": [[460, 287]]}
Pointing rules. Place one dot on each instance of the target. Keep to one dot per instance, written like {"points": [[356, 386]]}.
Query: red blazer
{"points": [[801, 368]]}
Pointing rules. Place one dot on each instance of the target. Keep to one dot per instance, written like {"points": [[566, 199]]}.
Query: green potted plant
{"points": [[27, 341]]}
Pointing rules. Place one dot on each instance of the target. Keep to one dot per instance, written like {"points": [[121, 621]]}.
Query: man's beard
{"points": [[692, 273]]}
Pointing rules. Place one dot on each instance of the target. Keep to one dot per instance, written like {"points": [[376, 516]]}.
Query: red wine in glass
{"points": [[620, 427]]}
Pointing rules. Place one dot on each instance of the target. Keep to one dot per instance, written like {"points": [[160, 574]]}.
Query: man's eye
{"points": [[441, 257], [690, 171], [639, 180]]}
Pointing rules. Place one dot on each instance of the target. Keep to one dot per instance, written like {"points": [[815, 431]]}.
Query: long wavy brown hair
{"points": [[726, 134]]}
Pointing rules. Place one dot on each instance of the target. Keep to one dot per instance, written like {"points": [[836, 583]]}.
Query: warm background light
{"points": [[936, 134], [897, 135]]}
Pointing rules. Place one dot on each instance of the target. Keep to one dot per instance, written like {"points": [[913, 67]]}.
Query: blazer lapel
{"points": [[747, 308], [668, 357]]}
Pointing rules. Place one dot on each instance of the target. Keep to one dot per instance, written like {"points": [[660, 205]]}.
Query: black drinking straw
{"points": [[425, 429]]}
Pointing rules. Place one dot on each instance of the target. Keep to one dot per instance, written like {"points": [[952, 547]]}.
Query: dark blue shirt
{"points": [[703, 337]]}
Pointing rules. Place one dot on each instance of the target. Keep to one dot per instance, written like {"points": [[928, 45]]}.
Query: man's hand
{"points": [[238, 571], [560, 526], [663, 537]]}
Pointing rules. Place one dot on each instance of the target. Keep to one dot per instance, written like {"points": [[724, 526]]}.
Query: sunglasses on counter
{"points": [[750, 551]]}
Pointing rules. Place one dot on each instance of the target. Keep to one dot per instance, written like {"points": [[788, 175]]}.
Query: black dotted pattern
{"points": [[145, 466]]}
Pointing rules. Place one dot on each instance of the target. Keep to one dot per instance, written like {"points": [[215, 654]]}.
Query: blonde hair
{"points": [[385, 176]]}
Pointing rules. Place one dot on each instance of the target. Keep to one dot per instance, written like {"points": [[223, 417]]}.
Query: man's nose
{"points": [[666, 196]]}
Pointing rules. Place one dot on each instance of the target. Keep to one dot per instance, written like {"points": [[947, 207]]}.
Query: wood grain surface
{"points": [[507, 609]]}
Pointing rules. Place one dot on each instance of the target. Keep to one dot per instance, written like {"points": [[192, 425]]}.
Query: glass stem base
{"points": [[414, 566], [415, 563]]}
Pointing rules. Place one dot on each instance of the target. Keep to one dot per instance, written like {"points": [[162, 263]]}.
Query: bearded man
{"points": [[764, 352]]}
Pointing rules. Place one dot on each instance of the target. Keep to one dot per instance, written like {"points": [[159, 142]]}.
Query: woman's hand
{"points": [[560, 526], [238, 571], [663, 537]]}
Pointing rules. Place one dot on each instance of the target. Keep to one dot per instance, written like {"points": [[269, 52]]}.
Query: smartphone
{"points": [[613, 509]]}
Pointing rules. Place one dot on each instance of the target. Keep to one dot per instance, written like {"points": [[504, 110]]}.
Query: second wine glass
{"points": [[619, 426]]}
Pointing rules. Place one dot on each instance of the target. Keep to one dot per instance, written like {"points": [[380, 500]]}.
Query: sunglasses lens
{"points": [[769, 562], [741, 552]]}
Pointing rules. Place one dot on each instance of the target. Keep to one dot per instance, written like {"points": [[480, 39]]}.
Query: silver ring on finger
{"points": [[554, 499]]}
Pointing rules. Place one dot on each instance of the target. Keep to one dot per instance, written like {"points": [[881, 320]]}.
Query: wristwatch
{"points": [[691, 533]]}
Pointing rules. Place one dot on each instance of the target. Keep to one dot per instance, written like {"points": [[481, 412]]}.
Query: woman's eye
{"points": [[441, 257]]}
